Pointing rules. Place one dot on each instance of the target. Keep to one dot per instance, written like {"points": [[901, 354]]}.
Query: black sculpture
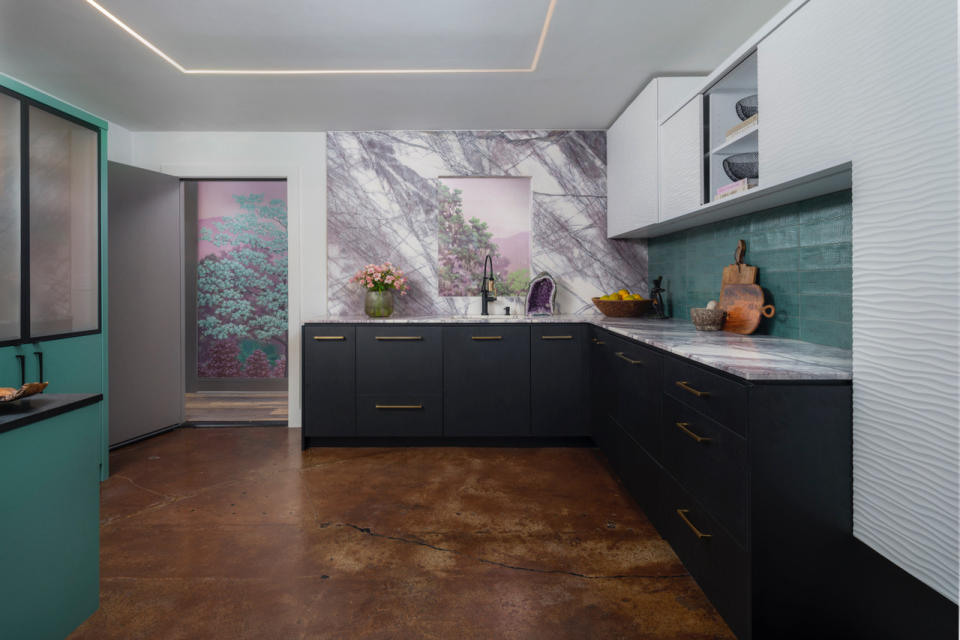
{"points": [[655, 295]]}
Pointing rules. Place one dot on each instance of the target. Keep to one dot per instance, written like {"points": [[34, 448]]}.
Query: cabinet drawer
{"points": [[486, 380], [399, 360], [636, 377], [638, 472], [718, 564], [719, 398], [711, 463], [329, 381], [559, 387], [399, 416]]}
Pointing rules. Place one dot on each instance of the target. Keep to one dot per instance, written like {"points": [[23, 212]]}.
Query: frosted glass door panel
{"points": [[64, 275], [9, 218]]}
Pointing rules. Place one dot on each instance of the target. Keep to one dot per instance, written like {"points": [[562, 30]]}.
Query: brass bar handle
{"points": [[683, 427], [329, 337], [620, 355], [398, 406], [556, 337], [700, 534], [486, 337], [686, 387], [399, 337], [598, 342]]}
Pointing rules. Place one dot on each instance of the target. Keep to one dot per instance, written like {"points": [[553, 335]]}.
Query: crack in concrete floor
{"points": [[422, 543]]}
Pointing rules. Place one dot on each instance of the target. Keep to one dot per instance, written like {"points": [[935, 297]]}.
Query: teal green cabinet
{"points": [[50, 513], [70, 338]]}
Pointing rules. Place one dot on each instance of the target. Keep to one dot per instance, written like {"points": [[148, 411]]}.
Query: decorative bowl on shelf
{"points": [[623, 308], [742, 165], [746, 107], [9, 394], [708, 319]]}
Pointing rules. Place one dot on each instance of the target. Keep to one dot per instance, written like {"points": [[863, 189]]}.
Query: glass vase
{"points": [[379, 304]]}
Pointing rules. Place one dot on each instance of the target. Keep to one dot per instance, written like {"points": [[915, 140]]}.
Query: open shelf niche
{"points": [[720, 116]]}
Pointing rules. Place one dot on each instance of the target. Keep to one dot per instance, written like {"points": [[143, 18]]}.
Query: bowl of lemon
{"points": [[623, 304]]}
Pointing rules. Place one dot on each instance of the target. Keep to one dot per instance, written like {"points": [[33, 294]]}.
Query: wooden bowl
{"points": [[623, 308]]}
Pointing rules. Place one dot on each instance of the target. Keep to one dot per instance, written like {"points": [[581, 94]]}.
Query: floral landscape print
{"points": [[479, 217], [242, 279]]}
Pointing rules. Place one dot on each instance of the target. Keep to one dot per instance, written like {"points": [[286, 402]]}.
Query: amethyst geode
{"points": [[542, 295]]}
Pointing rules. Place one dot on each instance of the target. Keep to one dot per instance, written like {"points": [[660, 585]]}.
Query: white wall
{"points": [[875, 82], [119, 144], [300, 157]]}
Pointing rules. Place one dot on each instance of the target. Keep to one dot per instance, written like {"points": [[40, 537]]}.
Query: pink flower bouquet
{"points": [[382, 277]]}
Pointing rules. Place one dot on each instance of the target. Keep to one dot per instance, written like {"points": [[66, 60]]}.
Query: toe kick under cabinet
{"points": [[749, 483]]}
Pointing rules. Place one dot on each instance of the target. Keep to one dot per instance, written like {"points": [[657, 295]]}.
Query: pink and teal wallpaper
{"points": [[242, 279]]}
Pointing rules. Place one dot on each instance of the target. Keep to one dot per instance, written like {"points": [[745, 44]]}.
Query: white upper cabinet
{"points": [[633, 155], [681, 161], [803, 85], [632, 165]]}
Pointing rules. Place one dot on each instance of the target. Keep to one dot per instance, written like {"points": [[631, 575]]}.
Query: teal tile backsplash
{"points": [[803, 253]]}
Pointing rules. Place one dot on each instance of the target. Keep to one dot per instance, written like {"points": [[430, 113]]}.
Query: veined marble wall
{"points": [[382, 205]]}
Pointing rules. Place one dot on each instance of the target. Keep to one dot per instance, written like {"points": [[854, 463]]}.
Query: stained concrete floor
{"points": [[236, 533]]}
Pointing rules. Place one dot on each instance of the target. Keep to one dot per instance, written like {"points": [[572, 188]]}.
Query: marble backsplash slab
{"points": [[382, 205]]}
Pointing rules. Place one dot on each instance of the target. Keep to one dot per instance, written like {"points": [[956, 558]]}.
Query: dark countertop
{"points": [[754, 357], [20, 413]]}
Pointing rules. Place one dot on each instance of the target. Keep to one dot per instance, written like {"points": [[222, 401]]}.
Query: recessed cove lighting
{"points": [[324, 72]]}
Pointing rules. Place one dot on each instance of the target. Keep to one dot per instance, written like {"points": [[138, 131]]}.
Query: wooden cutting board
{"points": [[738, 273], [744, 306]]}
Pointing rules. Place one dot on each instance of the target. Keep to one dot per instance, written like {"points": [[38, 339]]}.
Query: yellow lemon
{"points": [[623, 292]]}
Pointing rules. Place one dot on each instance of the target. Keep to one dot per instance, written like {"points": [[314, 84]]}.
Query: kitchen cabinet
{"points": [[486, 380], [399, 381], [52, 236], [559, 387], [329, 381], [748, 482], [633, 150], [50, 508], [681, 160]]}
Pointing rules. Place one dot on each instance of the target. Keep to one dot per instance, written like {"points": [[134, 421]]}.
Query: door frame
{"points": [[192, 381], [290, 173]]}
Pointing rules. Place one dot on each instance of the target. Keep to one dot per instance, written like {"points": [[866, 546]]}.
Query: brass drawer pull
{"points": [[486, 337], [399, 337], [329, 337], [595, 341], [556, 337], [700, 534], [620, 355], [686, 387], [398, 406], [683, 427]]}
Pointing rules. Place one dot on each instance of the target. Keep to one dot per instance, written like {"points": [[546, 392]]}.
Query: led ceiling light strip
{"points": [[295, 72]]}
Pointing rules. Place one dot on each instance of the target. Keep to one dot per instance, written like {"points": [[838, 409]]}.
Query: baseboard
{"points": [[574, 441], [209, 424], [145, 436]]}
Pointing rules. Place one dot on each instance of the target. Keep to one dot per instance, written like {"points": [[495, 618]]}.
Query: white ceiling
{"points": [[596, 56]]}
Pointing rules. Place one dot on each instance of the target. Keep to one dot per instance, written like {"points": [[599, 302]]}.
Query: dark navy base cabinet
{"points": [[486, 380], [750, 483]]}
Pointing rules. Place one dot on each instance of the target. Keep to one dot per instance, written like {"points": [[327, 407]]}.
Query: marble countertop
{"points": [[755, 358]]}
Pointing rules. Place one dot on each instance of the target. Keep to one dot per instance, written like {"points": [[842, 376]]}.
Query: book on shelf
{"points": [[740, 128], [735, 187]]}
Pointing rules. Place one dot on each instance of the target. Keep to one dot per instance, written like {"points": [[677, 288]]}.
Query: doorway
{"points": [[235, 311]]}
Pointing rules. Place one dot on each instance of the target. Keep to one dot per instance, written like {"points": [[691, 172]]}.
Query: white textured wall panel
{"points": [[875, 82]]}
